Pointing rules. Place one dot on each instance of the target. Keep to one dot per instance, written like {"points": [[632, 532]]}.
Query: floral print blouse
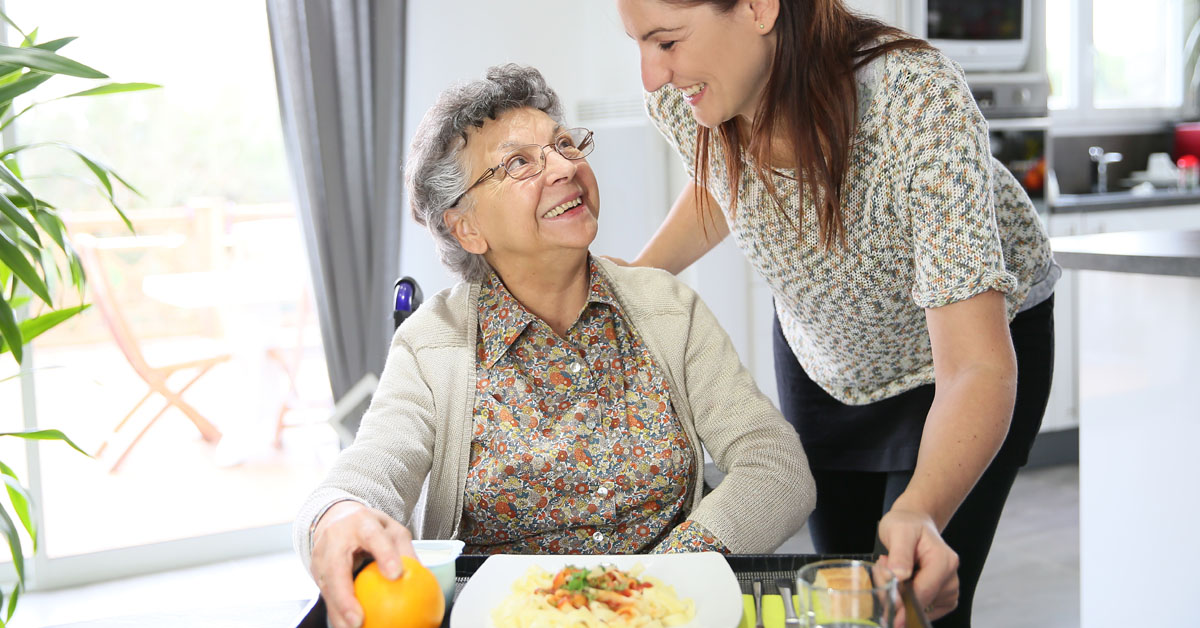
{"points": [[576, 447]]}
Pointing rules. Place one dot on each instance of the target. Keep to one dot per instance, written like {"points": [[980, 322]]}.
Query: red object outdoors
{"points": [[1187, 139]]}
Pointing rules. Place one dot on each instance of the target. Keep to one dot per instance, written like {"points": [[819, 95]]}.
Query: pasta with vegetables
{"points": [[596, 597]]}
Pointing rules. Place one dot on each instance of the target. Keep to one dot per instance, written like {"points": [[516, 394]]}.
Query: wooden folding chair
{"points": [[155, 376]]}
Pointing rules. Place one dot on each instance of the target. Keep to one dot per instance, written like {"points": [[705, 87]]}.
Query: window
{"points": [[1138, 54], [1112, 60], [214, 276]]}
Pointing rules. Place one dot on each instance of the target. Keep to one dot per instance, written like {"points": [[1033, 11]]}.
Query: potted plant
{"points": [[37, 261]]}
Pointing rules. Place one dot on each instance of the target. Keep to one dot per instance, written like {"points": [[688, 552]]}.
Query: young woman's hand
{"points": [[345, 534], [916, 550]]}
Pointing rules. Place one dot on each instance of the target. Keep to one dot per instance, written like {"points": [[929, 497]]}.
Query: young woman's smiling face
{"points": [[720, 61]]}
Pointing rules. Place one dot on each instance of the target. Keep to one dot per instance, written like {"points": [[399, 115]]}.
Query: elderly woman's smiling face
{"points": [[518, 222]]}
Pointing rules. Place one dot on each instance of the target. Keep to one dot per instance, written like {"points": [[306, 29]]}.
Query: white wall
{"points": [[890, 11]]}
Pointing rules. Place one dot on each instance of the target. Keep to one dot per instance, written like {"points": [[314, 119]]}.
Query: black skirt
{"points": [[885, 435]]}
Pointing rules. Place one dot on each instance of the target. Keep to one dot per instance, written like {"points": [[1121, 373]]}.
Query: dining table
{"points": [[747, 568]]}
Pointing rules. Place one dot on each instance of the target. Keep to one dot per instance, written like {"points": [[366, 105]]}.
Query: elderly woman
{"points": [[551, 401]]}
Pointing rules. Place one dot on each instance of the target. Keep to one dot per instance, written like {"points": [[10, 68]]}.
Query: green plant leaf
{"points": [[112, 88], [22, 85], [12, 257], [4, 16], [20, 501], [46, 61], [100, 172], [77, 275], [29, 39], [53, 226], [46, 435], [12, 603], [88, 160], [17, 302], [52, 46], [14, 544], [10, 331], [23, 203], [12, 165], [38, 325], [13, 213], [15, 183], [12, 77], [55, 45]]}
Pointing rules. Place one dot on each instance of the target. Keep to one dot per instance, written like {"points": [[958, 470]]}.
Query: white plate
{"points": [[1161, 180], [704, 577]]}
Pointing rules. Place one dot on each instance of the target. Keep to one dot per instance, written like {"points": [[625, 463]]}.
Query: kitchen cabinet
{"points": [[1139, 422], [1091, 294]]}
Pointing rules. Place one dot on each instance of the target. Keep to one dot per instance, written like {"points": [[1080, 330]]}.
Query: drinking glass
{"points": [[847, 593]]}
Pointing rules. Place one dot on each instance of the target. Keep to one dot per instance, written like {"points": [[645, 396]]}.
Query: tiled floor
{"points": [[1032, 578]]}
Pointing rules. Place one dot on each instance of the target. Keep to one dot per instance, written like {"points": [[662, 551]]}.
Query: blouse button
{"points": [[575, 367], [602, 491], [597, 537]]}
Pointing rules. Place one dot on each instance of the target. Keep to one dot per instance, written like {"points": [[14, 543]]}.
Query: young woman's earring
{"points": [[762, 26]]}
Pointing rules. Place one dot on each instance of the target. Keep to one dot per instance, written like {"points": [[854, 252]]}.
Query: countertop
{"points": [[1071, 203], [1147, 252]]}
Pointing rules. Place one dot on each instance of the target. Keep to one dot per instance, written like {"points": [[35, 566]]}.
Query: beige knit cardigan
{"points": [[414, 442]]}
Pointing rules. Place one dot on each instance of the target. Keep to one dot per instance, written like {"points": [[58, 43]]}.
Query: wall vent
{"points": [[611, 110]]}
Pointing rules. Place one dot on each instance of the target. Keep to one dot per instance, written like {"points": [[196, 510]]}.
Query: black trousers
{"points": [[850, 501]]}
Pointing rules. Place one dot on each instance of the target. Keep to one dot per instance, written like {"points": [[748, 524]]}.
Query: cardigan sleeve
{"points": [[391, 455], [768, 490]]}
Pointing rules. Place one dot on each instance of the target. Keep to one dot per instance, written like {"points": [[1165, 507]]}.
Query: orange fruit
{"points": [[414, 600]]}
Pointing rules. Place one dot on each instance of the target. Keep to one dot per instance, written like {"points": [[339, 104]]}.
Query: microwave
{"points": [[981, 35]]}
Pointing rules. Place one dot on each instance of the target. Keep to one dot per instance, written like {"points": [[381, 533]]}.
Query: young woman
{"points": [[911, 276]]}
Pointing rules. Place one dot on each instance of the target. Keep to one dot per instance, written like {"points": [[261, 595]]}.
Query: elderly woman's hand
{"points": [[344, 534], [913, 544]]}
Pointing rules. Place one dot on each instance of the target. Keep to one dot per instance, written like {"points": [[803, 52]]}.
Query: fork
{"points": [[789, 609], [758, 618]]}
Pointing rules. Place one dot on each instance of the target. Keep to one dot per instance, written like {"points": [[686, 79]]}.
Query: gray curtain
{"points": [[340, 73]]}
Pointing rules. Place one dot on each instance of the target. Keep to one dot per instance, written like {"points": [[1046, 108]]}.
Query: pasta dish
{"points": [[601, 596]]}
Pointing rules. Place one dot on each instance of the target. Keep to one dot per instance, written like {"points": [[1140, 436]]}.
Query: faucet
{"points": [[1102, 159]]}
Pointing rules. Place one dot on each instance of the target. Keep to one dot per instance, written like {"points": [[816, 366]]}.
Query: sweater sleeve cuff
{"points": [[690, 536]]}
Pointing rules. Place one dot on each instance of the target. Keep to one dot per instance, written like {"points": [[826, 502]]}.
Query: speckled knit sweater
{"points": [[931, 218]]}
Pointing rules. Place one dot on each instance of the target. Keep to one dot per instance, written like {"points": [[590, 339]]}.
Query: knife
{"points": [[914, 613]]}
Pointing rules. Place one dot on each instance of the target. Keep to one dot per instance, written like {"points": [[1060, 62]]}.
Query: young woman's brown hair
{"points": [[810, 102]]}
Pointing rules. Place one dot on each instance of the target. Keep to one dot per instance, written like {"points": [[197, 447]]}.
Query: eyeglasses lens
{"points": [[529, 160]]}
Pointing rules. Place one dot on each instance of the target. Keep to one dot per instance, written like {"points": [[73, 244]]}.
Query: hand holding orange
{"points": [[414, 600]]}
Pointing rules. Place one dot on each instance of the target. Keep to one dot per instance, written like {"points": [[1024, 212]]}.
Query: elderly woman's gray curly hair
{"points": [[436, 173]]}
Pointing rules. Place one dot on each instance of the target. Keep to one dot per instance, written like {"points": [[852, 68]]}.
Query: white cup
{"points": [[1160, 165], [439, 557]]}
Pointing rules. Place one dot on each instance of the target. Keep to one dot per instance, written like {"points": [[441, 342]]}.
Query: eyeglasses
{"points": [[529, 160]]}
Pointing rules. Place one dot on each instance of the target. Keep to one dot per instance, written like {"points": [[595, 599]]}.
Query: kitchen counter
{"points": [[1148, 252], [1070, 203], [1137, 355]]}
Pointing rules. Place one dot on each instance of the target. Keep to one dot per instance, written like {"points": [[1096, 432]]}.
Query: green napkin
{"points": [[772, 611]]}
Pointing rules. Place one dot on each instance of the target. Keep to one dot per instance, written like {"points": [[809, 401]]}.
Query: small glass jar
{"points": [[1189, 173]]}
